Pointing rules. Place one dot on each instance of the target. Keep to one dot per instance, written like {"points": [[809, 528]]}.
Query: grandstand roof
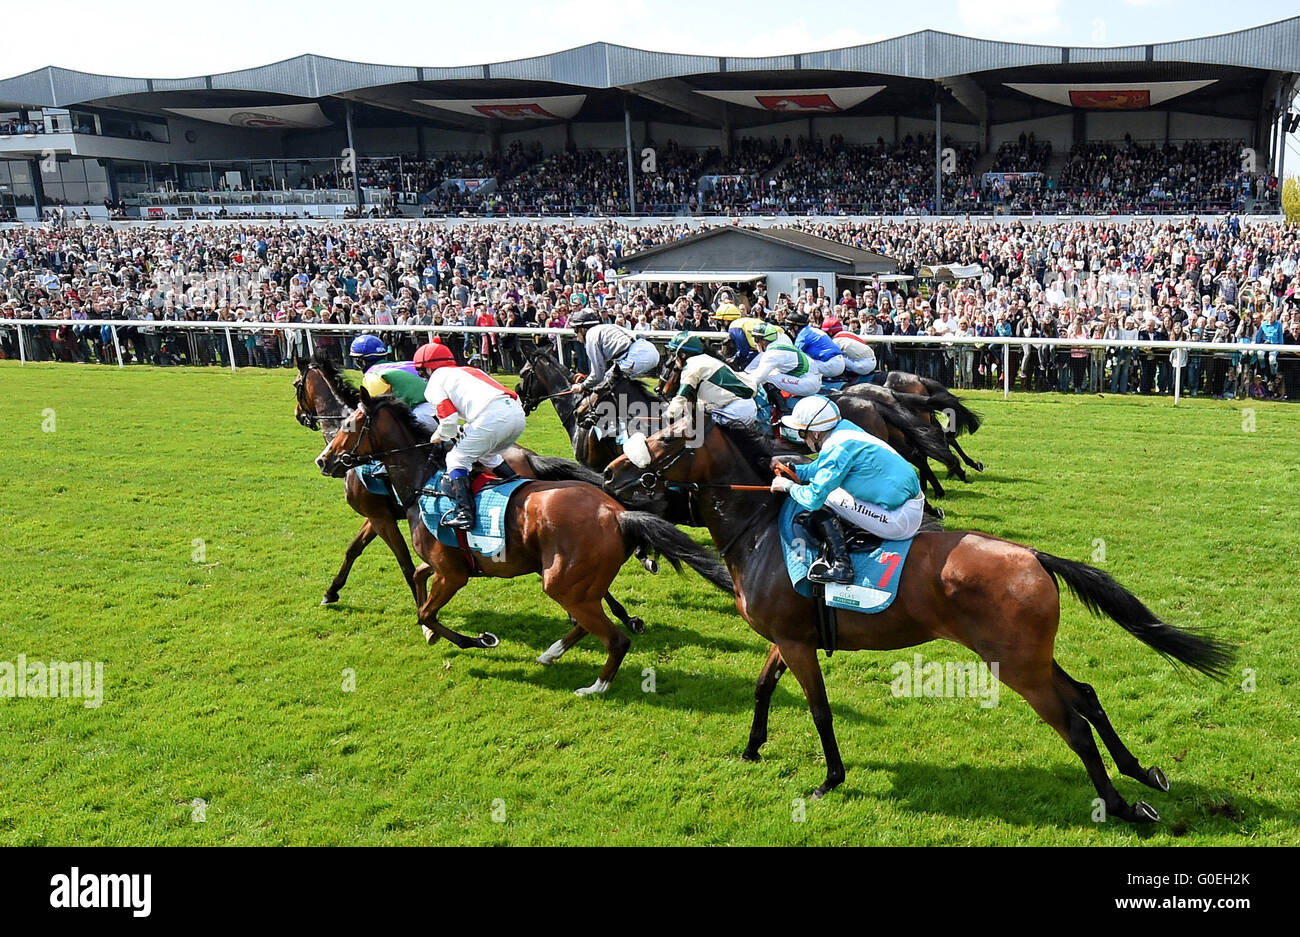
{"points": [[660, 83], [706, 255]]}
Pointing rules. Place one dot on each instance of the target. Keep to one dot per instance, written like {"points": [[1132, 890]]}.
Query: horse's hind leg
{"points": [[773, 667], [1036, 683], [590, 616], [355, 548], [1084, 700], [562, 646]]}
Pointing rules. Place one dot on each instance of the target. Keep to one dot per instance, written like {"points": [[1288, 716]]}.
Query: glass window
{"points": [[94, 171], [97, 193], [53, 192], [75, 193]]}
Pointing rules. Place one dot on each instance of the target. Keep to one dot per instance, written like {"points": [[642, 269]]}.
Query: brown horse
{"points": [[324, 401], [573, 534], [998, 598]]}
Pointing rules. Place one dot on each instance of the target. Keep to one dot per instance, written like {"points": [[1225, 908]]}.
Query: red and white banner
{"points": [[798, 100], [1111, 96], [274, 116], [559, 107]]}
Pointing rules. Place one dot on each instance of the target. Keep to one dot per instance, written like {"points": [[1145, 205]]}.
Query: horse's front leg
{"points": [[441, 588], [355, 548]]}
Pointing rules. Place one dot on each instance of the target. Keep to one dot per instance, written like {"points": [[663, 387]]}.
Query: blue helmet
{"points": [[367, 346]]}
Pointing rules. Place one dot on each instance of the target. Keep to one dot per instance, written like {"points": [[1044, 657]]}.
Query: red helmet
{"points": [[832, 325], [433, 355]]}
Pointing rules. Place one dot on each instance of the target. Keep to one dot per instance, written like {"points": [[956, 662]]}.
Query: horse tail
{"points": [[1102, 595], [655, 535], [925, 438], [548, 469], [965, 420]]}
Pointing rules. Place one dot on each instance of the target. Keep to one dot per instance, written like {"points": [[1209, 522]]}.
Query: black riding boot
{"points": [[834, 564], [462, 518]]}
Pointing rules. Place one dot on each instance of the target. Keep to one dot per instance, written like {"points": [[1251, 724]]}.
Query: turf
{"points": [[171, 525]]}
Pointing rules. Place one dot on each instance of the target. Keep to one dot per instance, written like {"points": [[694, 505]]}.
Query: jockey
{"points": [[368, 350], [740, 329], [817, 345], [859, 356], [402, 380], [493, 421], [855, 476], [719, 390], [610, 345], [780, 363]]}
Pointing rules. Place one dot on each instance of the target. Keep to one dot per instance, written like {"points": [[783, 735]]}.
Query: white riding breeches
{"points": [[832, 367], [810, 383], [863, 365], [426, 416], [742, 410], [497, 428], [899, 524], [641, 358]]}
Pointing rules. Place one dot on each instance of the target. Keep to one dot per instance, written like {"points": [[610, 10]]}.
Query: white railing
{"points": [[931, 342]]}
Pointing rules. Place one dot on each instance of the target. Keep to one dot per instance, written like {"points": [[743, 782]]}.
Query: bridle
{"points": [[350, 459], [306, 414]]}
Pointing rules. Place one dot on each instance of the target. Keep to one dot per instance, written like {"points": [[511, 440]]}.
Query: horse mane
{"points": [[342, 389], [401, 411], [756, 449]]}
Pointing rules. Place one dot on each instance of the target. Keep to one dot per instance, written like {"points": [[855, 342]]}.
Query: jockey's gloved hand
{"points": [[780, 485], [676, 409]]}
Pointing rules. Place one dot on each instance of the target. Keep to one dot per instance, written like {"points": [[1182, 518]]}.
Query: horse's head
{"points": [[670, 378], [649, 466], [541, 377], [321, 397], [364, 435]]}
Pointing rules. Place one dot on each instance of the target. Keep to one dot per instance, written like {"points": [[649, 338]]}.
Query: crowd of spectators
{"points": [[1202, 280]]}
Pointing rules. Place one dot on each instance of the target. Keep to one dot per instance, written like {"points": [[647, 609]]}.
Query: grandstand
{"points": [[1164, 128]]}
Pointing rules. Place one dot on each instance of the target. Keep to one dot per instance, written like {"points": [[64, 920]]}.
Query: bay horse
{"points": [[324, 400], [998, 598], [573, 534]]}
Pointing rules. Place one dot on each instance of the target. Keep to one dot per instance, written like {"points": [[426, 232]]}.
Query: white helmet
{"points": [[815, 413]]}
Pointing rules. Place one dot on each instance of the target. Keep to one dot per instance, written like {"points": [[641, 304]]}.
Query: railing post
{"points": [[22, 347], [1178, 378], [1006, 370], [117, 347], [230, 351]]}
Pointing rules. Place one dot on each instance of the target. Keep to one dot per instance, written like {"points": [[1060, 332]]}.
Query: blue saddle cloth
{"points": [[375, 477], [488, 537], [877, 574]]}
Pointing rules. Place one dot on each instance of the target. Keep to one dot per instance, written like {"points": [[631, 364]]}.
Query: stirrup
{"points": [[458, 518], [823, 571]]}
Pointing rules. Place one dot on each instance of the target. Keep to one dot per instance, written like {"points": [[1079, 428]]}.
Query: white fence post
{"points": [[1006, 371], [22, 348], [230, 350], [117, 346], [1178, 382]]}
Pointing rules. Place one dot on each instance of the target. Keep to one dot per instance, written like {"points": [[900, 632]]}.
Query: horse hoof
{"points": [[600, 686], [1143, 812], [978, 466], [938, 513], [488, 639], [1156, 778], [650, 565], [329, 599], [430, 636], [750, 755], [636, 626]]}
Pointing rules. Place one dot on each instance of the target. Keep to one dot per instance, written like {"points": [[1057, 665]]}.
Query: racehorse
{"points": [[325, 399], [998, 598], [573, 534]]}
